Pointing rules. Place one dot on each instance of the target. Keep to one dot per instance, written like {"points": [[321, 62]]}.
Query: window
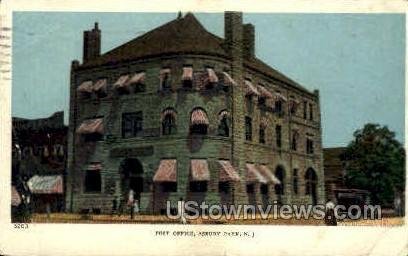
{"points": [[199, 122], [248, 128], [304, 109], [295, 136], [295, 181], [169, 123], [262, 101], [223, 129], [293, 107], [278, 131], [264, 189], [262, 134], [132, 124], [280, 174], [93, 137], [169, 186], [249, 103], [93, 181], [309, 146], [199, 129], [165, 79], [198, 186], [278, 106], [311, 112], [224, 187], [187, 77], [250, 188]]}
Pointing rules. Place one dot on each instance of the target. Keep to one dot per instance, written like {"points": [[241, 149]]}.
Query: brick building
{"points": [[181, 113]]}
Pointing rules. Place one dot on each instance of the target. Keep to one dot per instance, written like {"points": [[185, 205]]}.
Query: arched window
{"points": [[311, 184], [199, 122], [223, 125], [168, 118]]}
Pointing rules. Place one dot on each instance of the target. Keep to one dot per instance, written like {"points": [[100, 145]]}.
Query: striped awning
{"points": [[15, 197], [137, 78], [253, 175], [212, 77], [91, 126], [121, 82], [227, 171], [228, 79], [198, 116], [85, 87], [46, 184], [266, 172], [263, 122], [223, 114], [168, 111], [199, 170], [167, 171], [264, 92], [100, 85], [280, 96], [187, 73], [250, 88]]}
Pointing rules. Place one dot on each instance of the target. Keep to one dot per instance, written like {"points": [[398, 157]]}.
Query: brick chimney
{"points": [[249, 41], [92, 43], [233, 32]]}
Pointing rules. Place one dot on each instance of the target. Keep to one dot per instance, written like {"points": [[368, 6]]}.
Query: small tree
{"points": [[376, 162]]}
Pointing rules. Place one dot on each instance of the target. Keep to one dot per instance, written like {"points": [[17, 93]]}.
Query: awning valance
{"points": [[46, 184], [199, 170], [85, 87], [137, 78], [167, 171], [266, 172], [168, 111], [187, 73], [227, 171], [198, 116], [253, 175], [212, 77], [121, 82], [250, 88], [15, 197], [91, 126], [264, 92], [228, 79]]}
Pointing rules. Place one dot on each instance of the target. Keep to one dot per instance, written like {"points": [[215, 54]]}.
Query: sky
{"points": [[356, 61]]}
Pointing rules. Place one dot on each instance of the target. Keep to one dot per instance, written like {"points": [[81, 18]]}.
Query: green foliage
{"points": [[375, 161]]}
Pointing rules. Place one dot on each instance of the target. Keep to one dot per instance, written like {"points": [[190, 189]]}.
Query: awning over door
{"points": [[91, 126], [199, 170], [167, 171], [266, 172], [227, 171], [46, 184], [253, 175]]}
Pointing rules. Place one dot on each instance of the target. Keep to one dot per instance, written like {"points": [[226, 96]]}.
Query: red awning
{"points": [[264, 92], [187, 73], [250, 88], [46, 184], [85, 87], [91, 126], [253, 175], [199, 170], [266, 172], [121, 82], [15, 197], [227, 171], [168, 111], [100, 85], [212, 77], [228, 79], [198, 116], [167, 171], [137, 78]]}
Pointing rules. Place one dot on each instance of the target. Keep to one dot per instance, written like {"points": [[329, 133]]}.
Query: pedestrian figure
{"points": [[181, 210], [114, 206], [121, 206], [130, 202], [330, 217], [136, 207], [397, 206]]}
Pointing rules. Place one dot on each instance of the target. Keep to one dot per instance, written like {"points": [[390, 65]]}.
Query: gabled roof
{"points": [[182, 35]]}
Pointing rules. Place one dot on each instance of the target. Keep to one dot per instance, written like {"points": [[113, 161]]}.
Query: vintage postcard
{"points": [[201, 129]]}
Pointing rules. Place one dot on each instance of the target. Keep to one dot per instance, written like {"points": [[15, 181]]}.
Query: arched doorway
{"points": [[280, 188], [311, 184], [131, 172]]}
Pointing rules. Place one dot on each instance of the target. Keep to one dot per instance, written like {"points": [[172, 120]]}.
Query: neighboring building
{"points": [[39, 160], [181, 113]]}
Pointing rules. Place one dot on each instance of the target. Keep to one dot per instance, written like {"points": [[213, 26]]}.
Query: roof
{"points": [[182, 35], [332, 156]]}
